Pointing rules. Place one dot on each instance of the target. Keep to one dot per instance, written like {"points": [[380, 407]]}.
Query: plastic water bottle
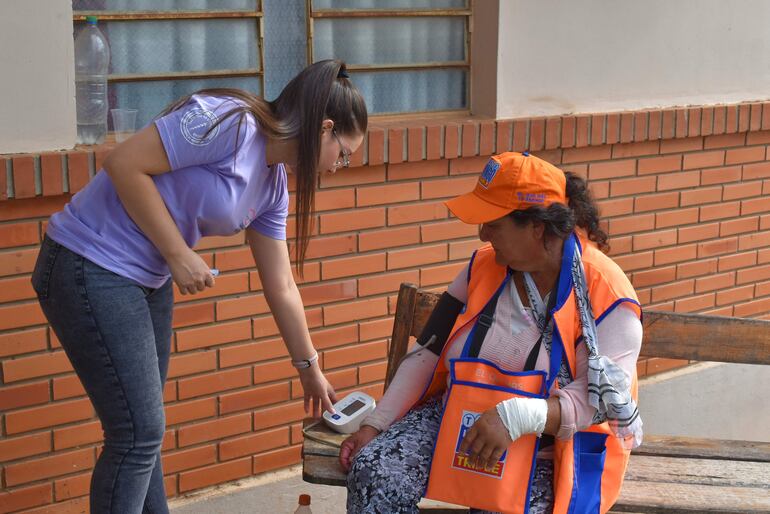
{"points": [[92, 62], [304, 505]]}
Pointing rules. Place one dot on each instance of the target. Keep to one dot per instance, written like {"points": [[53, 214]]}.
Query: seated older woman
{"points": [[520, 395]]}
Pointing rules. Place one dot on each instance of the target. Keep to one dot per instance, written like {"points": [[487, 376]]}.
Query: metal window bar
{"points": [[467, 13], [257, 15]]}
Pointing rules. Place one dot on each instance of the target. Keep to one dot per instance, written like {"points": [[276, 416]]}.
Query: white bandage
{"points": [[523, 416]]}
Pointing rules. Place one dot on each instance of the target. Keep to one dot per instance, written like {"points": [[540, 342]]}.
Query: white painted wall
{"points": [[37, 76], [579, 56]]}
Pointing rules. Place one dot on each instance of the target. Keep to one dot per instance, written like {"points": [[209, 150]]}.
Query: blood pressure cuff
{"points": [[440, 323]]}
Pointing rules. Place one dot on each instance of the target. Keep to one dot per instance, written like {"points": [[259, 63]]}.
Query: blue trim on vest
{"points": [[470, 264], [497, 388], [565, 273], [615, 304], [498, 368], [609, 310], [571, 245], [454, 380], [589, 453]]}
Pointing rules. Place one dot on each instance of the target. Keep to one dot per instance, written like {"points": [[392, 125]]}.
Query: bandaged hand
{"points": [[486, 441], [523, 416]]}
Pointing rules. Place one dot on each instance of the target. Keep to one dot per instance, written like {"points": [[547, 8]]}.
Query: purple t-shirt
{"points": [[210, 191]]}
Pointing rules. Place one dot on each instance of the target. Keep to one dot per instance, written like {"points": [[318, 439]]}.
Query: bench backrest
{"points": [[666, 334]]}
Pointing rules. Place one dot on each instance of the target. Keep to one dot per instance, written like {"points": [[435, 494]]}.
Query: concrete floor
{"points": [[272, 493], [714, 400], [723, 401]]}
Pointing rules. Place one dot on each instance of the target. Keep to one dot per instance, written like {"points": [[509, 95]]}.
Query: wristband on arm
{"points": [[305, 363]]}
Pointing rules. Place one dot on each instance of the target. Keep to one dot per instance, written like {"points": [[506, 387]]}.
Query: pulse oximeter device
{"points": [[350, 412]]}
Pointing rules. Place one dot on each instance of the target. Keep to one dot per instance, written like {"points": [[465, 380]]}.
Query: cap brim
{"points": [[473, 210]]}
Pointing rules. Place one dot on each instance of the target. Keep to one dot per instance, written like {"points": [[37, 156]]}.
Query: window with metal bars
{"points": [[404, 55]]}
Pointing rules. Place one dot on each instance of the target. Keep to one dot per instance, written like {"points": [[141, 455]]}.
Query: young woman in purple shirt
{"points": [[214, 163]]}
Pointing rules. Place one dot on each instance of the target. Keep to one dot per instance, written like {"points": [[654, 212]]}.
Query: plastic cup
{"points": [[124, 123]]}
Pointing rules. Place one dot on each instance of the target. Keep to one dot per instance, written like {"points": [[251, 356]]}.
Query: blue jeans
{"points": [[117, 334]]}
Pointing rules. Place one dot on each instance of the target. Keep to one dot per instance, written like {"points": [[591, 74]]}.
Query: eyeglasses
{"points": [[344, 161]]}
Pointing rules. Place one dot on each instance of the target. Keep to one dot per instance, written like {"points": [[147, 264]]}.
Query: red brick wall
{"points": [[683, 195]]}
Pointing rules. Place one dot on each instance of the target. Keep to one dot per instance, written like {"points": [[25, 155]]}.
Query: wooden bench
{"points": [[666, 474]]}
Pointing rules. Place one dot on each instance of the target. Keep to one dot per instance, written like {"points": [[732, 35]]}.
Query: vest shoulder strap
{"points": [[486, 318]]}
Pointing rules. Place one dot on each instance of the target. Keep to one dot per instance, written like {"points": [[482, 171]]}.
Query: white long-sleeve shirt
{"points": [[508, 343]]}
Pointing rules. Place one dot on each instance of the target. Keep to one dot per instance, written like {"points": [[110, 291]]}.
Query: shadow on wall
{"points": [[714, 400]]}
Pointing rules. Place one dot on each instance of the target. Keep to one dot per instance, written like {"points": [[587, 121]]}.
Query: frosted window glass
{"points": [[429, 90], [390, 40], [162, 5], [181, 45], [389, 4]]}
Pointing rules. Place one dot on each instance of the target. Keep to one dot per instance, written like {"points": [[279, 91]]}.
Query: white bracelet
{"points": [[305, 363]]}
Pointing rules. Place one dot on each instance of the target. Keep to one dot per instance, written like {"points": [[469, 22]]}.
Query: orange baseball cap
{"points": [[510, 181]]}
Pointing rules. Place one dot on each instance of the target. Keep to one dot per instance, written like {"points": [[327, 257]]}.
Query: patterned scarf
{"points": [[609, 388]]}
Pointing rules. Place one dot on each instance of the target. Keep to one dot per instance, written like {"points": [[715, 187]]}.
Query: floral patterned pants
{"points": [[390, 474]]}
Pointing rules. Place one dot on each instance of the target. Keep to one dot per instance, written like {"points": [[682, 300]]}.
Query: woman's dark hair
{"points": [[560, 220], [320, 91]]}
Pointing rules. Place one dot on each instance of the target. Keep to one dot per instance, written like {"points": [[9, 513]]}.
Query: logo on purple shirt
{"points": [[195, 125]]}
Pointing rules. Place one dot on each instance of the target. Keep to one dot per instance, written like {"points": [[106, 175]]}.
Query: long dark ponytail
{"points": [[320, 91]]}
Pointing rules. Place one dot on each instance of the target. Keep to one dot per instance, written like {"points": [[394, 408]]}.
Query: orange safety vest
{"points": [[589, 467]]}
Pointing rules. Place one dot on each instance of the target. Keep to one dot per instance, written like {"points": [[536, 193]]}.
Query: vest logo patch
{"points": [[490, 170], [462, 461]]}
